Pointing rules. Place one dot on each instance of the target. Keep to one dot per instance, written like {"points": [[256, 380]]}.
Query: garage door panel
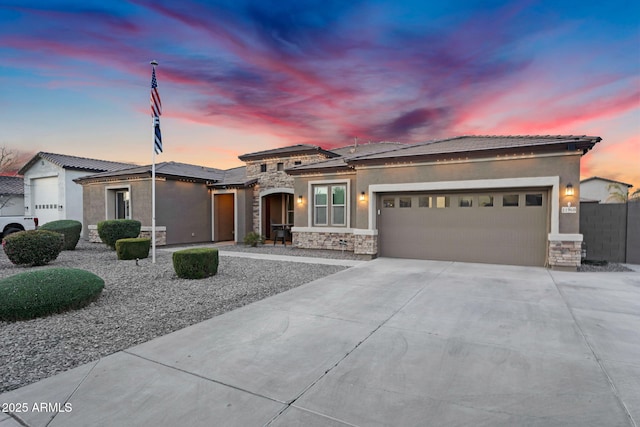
{"points": [[496, 234], [44, 194]]}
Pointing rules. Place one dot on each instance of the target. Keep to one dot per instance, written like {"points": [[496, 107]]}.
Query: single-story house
{"points": [[490, 199], [50, 192], [604, 190], [11, 196], [200, 204]]}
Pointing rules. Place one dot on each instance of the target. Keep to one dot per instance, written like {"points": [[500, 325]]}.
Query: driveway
{"points": [[389, 342]]}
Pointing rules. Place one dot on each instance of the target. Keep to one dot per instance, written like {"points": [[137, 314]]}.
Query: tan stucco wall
{"points": [[184, 208]]}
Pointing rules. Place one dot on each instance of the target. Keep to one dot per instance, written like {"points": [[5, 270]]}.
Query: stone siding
{"points": [[145, 231], [366, 244], [565, 254], [323, 240], [273, 178]]}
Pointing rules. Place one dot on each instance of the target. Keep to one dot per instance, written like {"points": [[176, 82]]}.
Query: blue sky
{"points": [[242, 76]]}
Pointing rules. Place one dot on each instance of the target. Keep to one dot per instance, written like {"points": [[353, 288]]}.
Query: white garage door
{"points": [[499, 227], [44, 199]]}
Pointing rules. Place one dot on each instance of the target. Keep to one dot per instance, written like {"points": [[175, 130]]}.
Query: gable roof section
{"points": [[593, 178], [292, 150], [75, 163], [346, 153], [482, 145], [12, 185], [172, 170], [235, 178]]}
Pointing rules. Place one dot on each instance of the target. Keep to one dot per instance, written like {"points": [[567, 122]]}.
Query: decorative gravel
{"points": [[138, 303], [610, 267]]}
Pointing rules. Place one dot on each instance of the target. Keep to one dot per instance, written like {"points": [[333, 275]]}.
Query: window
{"points": [[389, 203], [533, 199], [443, 201], [485, 201], [263, 167], [510, 200], [297, 162], [405, 202], [330, 210], [320, 205], [465, 201], [424, 202], [289, 203], [338, 203], [122, 204], [280, 166]]}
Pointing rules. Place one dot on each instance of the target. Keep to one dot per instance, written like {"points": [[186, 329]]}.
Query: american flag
{"points": [[156, 111]]}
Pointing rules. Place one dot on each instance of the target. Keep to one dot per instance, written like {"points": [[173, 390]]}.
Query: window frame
{"points": [[330, 184]]}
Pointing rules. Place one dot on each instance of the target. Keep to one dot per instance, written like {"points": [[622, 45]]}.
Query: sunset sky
{"points": [[238, 76]]}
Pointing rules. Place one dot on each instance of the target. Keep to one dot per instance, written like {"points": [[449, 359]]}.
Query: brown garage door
{"points": [[499, 227]]}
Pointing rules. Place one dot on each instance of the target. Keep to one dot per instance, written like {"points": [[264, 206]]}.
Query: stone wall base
{"points": [[565, 255], [145, 231], [359, 244]]}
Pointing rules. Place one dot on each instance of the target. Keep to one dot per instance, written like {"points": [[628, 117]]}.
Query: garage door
{"points": [[499, 227], [44, 199]]}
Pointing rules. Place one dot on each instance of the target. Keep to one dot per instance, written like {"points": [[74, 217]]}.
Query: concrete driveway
{"points": [[387, 343]]}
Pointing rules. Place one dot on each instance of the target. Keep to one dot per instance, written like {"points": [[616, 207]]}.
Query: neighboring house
{"points": [[201, 204], [604, 190], [11, 195], [491, 199], [49, 190]]}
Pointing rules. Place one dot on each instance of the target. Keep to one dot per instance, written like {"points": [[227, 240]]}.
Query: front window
{"points": [[122, 205], [330, 210]]}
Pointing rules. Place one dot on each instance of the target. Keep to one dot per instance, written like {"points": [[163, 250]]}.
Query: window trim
{"points": [[110, 192], [311, 198]]}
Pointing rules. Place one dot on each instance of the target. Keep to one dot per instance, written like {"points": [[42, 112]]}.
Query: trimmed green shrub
{"points": [[33, 247], [69, 228], [43, 292], [113, 230], [133, 248], [196, 263]]}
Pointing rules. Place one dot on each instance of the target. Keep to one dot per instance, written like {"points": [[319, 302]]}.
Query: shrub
{"points": [[196, 263], [69, 228], [113, 230], [33, 247], [43, 292], [253, 239], [133, 248]]}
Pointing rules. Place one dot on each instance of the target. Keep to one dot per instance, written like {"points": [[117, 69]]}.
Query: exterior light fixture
{"points": [[362, 196], [300, 198], [569, 190]]}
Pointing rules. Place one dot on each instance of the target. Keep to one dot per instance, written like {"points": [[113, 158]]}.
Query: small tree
{"points": [[616, 194]]}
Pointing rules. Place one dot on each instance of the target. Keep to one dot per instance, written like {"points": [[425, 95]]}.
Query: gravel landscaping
{"points": [[139, 303]]}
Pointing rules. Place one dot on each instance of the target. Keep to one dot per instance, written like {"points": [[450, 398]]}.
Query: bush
{"points": [[253, 239], [113, 230], [33, 247], [196, 263], [43, 292], [133, 248], [69, 228]]}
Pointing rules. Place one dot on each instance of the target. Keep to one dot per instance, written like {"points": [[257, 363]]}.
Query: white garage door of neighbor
{"points": [[497, 227], [44, 196]]}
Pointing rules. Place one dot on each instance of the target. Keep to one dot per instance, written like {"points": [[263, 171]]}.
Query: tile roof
{"points": [[292, 150], [76, 163], [480, 143], [166, 169], [12, 185], [346, 153], [605, 179], [236, 177]]}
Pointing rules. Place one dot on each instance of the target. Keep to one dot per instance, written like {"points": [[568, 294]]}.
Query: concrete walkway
{"points": [[387, 343]]}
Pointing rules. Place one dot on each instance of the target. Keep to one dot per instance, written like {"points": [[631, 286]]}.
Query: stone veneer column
{"points": [[565, 254]]}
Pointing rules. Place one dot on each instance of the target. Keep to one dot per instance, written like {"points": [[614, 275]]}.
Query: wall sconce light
{"points": [[568, 190], [300, 199], [362, 196]]}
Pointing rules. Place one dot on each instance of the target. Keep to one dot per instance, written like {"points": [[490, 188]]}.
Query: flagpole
{"points": [[153, 182]]}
